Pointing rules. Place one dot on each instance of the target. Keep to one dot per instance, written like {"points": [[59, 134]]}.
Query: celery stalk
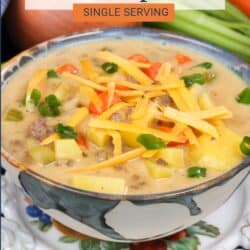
{"points": [[207, 22], [231, 13], [241, 27], [183, 26], [221, 14], [234, 25], [236, 13]]}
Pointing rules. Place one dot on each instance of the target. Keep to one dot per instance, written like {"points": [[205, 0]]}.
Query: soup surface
{"points": [[130, 116]]}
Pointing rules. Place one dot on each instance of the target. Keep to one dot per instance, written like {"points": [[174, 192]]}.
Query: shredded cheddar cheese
{"points": [[140, 108], [179, 102], [88, 69], [115, 108], [120, 126], [91, 94], [127, 93], [111, 92], [83, 81], [164, 72], [78, 117], [112, 162], [129, 67], [189, 99], [34, 83], [117, 142], [190, 120], [212, 113], [141, 65]]}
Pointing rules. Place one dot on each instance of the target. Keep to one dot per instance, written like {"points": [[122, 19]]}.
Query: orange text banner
{"points": [[123, 12]]}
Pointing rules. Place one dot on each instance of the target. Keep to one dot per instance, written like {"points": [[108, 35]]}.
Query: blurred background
{"points": [[22, 29]]}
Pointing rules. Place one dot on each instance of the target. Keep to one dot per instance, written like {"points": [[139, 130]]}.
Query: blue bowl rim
{"points": [[148, 33]]}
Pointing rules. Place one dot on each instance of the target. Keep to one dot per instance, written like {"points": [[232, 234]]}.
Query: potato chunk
{"points": [[173, 156], [42, 154], [99, 184], [221, 153], [66, 149], [156, 171], [98, 136]]}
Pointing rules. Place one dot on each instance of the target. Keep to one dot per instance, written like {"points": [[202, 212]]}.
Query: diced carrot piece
{"points": [[120, 87], [139, 58], [81, 140], [172, 143], [67, 68], [177, 144], [96, 110], [165, 128], [153, 70], [182, 59]]}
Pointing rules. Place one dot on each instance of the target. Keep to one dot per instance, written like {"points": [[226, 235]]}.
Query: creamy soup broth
{"points": [[17, 139]]}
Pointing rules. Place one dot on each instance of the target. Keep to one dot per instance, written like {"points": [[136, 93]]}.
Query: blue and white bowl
{"points": [[126, 218]]}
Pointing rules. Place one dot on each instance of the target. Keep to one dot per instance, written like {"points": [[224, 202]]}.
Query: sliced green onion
{"points": [[110, 67], [52, 101], [23, 102], [13, 115], [209, 76], [66, 131], [245, 145], [46, 111], [35, 96], [150, 141], [198, 78], [194, 78], [244, 96], [205, 65], [52, 74], [50, 108], [196, 172]]}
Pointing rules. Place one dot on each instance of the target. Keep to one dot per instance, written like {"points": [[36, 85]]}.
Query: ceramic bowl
{"points": [[126, 218]]}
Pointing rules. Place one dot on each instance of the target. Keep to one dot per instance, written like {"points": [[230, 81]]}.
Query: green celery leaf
{"points": [[202, 228], [89, 245], [188, 243], [68, 239], [114, 246], [44, 227]]}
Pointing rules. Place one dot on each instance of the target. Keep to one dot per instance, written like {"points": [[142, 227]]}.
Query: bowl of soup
{"points": [[126, 134]]}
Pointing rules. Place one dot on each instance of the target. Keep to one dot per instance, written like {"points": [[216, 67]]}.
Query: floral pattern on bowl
{"points": [[15, 204]]}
